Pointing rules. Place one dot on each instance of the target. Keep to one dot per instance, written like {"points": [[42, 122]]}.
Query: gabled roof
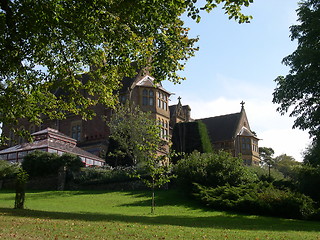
{"points": [[222, 128], [178, 109], [127, 83], [140, 81], [246, 132]]}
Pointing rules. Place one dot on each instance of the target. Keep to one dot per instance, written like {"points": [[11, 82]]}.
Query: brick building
{"points": [[232, 133], [92, 135], [229, 132]]}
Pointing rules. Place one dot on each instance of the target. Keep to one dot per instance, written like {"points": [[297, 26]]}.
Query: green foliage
{"points": [[309, 181], [138, 139], [22, 178], [299, 91], [158, 172], [135, 132], [287, 165], [59, 40], [190, 136], [312, 154], [266, 156], [7, 169], [263, 173], [71, 161], [39, 163], [258, 198], [100, 175], [116, 156], [213, 169]]}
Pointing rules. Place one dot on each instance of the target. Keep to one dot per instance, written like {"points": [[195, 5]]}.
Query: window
{"points": [[162, 101], [164, 131], [12, 156], [22, 154], [246, 143], [147, 97], [255, 146], [76, 130]]}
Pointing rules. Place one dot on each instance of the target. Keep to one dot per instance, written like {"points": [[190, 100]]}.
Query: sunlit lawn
{"points": [[126, 215]]}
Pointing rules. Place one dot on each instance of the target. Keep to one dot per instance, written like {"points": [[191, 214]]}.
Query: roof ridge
{"points": [[220, 116]]}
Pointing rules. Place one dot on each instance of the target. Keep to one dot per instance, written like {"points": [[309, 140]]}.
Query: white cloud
{"points": [[289, 141], [238, 88]]}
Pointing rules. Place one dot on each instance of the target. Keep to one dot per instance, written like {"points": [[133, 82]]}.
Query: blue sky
{"points": [[239, 62]]}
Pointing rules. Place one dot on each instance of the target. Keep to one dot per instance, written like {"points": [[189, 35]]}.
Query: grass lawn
{"points": [[126, 215]]}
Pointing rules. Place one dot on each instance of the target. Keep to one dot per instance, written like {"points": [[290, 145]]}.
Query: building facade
{"points": [[232, 133], [92, 135], [228, 132]]}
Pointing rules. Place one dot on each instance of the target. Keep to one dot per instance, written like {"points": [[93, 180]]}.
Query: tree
{"points": [[212, 170], [159, 171], [138, 138], [39, 163], [7, 169], [47, 46], [312, 154], [21, 179], [299, 91], [137, 134], [266, 156], [286, 165]]}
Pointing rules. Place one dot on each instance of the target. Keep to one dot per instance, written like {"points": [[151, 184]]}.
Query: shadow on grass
{"points": [[163, 198], [224, 221], [39, 194]]}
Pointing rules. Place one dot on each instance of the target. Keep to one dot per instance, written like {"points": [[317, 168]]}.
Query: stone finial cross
{"points": [[242, 104]]}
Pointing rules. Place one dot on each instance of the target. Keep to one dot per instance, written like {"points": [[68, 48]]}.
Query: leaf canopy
{"points": [[47, 46], [299, 91]]}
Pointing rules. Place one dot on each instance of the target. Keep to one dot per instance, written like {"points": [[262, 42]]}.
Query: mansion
{"points": [[230, 132]]}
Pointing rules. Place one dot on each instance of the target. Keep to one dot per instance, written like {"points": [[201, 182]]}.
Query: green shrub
{"points": [[39, 163], [190, 136], [116, 155], [213, 169], [258, 198], [100, 175], [71, 161], [7, 169], [263, 173], [309, 181]]}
